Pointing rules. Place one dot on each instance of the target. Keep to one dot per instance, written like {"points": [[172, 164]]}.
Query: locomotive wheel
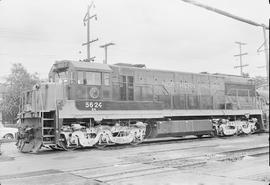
{"points": [[213, 134], [20, 143], [136, 141], [63, 144], [100, 144], [221, 133]]}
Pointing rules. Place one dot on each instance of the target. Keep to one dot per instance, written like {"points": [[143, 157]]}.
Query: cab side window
{"points": [[89, 78], [61, 77], [72, 77], [106, 79], [80, 77], [93, 78]]}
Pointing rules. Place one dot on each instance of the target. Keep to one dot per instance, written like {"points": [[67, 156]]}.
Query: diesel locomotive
{"points": [[87, 104]]}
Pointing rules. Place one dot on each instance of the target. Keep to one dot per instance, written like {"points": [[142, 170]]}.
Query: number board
{"points": [[89, 105]]}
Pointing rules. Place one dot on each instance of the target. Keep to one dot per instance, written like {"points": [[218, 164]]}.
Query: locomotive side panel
{"points": [[203, 93], [115, 80], [163, 87], [123, 84], [143, 90], [240, 93], [176, 90], [185, 91], [183, 127], [217, 88]]}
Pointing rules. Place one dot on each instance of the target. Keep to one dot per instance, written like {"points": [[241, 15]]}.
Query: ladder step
{"points": [[48, 135], [48, 119], [45, 128], [48, 142]]}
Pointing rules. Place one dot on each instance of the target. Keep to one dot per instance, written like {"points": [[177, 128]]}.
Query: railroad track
{"points": [[138, 168], [148, 142], [160, 141], [157, 142], [129, 168]]}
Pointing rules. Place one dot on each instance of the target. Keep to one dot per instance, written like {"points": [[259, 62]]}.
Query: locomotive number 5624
{"points": [[93, 105]]}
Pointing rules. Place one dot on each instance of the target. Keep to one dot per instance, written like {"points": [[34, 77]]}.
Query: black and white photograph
{"points": [[134, 92]]}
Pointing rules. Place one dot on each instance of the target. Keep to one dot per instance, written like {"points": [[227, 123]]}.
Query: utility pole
{"points": [[86, 20], [105, 46], [241, 66], [266, 52]]}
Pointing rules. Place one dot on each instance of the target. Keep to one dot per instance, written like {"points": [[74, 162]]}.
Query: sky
{"points": [[162, 34]]}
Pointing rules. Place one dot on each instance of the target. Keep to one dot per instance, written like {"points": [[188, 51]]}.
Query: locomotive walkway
{"points": [[228, 160]]}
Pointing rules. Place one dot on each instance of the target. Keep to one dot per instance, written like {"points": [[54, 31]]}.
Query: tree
{"points": [[18, 81]]}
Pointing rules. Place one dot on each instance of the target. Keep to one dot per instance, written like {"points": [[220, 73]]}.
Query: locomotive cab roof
{"points": [[63, 65]]}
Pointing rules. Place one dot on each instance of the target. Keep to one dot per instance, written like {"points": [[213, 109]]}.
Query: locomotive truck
{"points": [[87, 104]]}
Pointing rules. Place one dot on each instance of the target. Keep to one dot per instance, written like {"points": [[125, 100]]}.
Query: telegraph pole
{"points": [[241, 66], [86, 20], [105, 46], [266, 52]]}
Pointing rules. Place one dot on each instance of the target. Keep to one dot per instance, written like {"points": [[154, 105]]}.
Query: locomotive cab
{"points": [[84, 80]]}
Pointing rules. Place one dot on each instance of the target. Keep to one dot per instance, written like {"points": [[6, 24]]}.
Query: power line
{"points": [[227, 14], [264, 27]]}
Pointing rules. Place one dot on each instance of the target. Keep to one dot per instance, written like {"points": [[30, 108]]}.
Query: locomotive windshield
{"points": [[61, 76]]}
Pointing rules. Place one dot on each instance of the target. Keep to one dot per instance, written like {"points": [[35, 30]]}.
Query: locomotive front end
{"points": [[67, 112], [37, 118]]}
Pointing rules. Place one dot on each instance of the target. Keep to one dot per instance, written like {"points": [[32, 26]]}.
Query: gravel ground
{"points": [[233, 160]]}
